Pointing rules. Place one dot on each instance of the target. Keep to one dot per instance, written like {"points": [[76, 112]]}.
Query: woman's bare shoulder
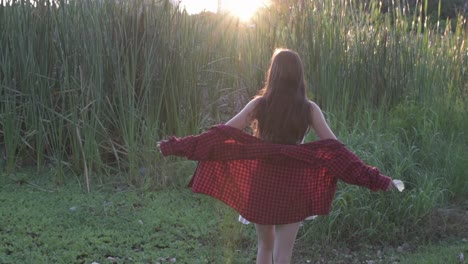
{"points": [[243, 118], [256, 99], [253, 103], [313, 105]]}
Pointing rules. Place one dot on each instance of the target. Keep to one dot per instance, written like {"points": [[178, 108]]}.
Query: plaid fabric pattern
{"points": [[271, 183]]}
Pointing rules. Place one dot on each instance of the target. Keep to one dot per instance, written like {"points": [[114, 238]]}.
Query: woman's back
{"points": [[284, 124], [281, 112]]}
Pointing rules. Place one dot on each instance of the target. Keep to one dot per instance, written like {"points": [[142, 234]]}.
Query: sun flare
{"points": [[244, 9]]}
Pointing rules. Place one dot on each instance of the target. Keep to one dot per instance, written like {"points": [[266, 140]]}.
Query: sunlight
{"points": [[244, 9]]}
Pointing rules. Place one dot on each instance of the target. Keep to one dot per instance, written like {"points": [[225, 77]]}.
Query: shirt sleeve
{"points": [[349, 168], [191, 147], [219, 143], [213, 144]]}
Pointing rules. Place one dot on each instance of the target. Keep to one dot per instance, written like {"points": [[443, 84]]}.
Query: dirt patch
{"points": [[442, 224], [449, 222]]}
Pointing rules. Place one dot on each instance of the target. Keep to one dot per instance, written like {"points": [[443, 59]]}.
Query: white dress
{"points": [[246, 222]]}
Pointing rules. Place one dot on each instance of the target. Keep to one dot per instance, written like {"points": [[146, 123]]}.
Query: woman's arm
{"points": [[244, 117], [319, 124], [349, 168]]}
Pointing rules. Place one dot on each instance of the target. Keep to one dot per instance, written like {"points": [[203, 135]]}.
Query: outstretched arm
{"points": [[349, 168]]}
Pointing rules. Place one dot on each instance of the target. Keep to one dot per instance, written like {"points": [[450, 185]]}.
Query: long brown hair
{"points": [[282, 114]]}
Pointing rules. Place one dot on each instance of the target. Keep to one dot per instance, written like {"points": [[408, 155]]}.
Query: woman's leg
{"points": [[285, 236], [266, 243]]}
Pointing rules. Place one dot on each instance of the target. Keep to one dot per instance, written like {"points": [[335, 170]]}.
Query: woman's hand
{"points": [[398, 184], [158, 145]]}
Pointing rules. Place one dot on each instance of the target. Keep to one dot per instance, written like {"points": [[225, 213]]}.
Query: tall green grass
{"points": [[92, 86], [89, 87]]}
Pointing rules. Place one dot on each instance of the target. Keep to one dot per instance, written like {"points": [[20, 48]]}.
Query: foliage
{"points": [[115, 224], [442, 9], [91, 86]]}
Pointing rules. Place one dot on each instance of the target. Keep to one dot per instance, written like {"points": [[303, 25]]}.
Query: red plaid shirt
{"points": [[271, 183]]}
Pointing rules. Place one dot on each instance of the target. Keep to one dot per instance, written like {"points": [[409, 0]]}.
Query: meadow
{"points": [[87, 89]]}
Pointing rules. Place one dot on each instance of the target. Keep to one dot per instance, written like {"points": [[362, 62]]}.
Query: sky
{"points": [[242, 8], [197, 6]]}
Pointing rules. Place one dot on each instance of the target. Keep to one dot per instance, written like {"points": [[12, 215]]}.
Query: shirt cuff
{"points": [[166, 146], [384, 182]]}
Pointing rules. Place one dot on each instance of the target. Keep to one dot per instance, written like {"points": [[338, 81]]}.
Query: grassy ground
{"points": [[40, 223], [66, 225]]}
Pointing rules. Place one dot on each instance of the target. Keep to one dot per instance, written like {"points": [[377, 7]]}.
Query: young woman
{"points": [[271, 178], [281, 113]]}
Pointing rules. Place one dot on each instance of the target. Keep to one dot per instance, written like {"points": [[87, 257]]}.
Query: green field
{"points": [[41, 223], [87, 89]]}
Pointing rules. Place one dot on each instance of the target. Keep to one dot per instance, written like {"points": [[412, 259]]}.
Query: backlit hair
{"points": [[282, 114]]}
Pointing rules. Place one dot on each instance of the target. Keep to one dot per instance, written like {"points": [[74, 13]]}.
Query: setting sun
{"points": [[244, 9]]}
